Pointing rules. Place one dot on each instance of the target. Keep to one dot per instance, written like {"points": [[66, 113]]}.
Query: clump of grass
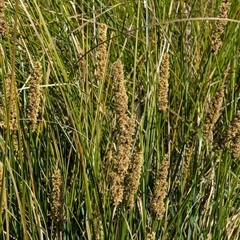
{"points": [[78, 129], [219, 26], [163, 84], [34, 95]]}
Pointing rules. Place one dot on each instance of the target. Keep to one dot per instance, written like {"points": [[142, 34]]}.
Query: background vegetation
{"points": [[56, 172]]}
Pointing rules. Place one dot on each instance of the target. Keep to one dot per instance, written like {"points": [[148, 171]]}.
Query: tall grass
{"points": [[60, 146]]}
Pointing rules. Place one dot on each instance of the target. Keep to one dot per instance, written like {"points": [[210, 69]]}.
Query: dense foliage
{"points": [[104, 99]]}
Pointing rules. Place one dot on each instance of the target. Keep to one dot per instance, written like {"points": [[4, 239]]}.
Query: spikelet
{"points": [[10, 105], [34, 95], [162, 100], [160, 190], [101, 56], [126, 129], [132, 178], [213, 113], [219, 26], [1, 186], [3, 24], [56, 197]]}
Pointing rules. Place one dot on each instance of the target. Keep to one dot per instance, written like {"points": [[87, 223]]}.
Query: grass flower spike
{"points": [[3, 24], [213, 113], [219, 26], [231, 131], [126, 128], [34, 95], [132, 179], [101, 58], [57, 200], [163, 84], [160, 190], [10, 104]]}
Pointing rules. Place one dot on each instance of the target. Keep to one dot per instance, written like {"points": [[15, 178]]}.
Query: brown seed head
{"points": [[163, 84], [132, 179], [160, 190], [34, 95], [126, 130], [10, 103], [120, 95], [213, 113], [219, 26], [121, 163], [57, 197], [232, 130], [101, 57], [3, 24], [236, 146]]}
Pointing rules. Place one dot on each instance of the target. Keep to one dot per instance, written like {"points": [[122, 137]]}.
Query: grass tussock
{"points": [[119, 121]]}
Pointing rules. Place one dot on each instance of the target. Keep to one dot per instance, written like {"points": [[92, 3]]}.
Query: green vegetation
{"points": [[62, 162]]}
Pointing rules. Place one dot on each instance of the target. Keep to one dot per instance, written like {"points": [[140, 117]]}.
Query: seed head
{"points": [[213, 113], [57, 197], [10, 103], [219, 26], [34, 95], [3, 24], [132, 178], [160, 190], [236, 146], [125, 132], [163, 84], [231, 132], [101, 57]]}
